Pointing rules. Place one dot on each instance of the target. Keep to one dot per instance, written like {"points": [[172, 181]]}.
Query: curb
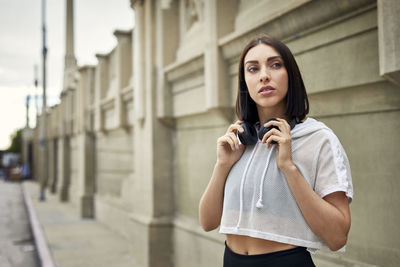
{"points": [[40, 241]]}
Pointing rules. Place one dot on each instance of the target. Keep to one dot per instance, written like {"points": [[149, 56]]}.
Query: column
{"points": [[215, 71], [151, 195], [389, 39]]}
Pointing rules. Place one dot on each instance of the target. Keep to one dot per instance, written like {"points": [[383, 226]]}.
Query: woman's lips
{"points": [[266, 90]]}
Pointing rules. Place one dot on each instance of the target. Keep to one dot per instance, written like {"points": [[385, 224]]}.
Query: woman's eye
{"points": [[276, 65], [252, 69]]}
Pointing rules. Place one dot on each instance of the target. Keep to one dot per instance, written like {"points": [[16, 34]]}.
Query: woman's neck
{"points": [[265, 114]]}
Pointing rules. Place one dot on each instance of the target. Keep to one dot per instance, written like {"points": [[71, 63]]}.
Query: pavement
{"points": [[17, 248], [63, 239]]}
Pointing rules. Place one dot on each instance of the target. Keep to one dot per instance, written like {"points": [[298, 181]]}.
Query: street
{"points": [[17, 247]]}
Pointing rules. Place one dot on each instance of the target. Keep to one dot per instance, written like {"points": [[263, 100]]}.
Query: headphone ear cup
{"points": [[249, 136], [263, 130]]}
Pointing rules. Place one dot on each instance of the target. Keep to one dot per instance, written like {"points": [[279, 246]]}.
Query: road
{"points": [[17, 247]]}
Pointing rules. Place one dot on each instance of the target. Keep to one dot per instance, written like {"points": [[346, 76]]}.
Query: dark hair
{"points": [[297, 105]]}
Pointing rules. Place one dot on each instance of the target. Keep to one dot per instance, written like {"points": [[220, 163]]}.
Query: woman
{"points": [[288, 193]]}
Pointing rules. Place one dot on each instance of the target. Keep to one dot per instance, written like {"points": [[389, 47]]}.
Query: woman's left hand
{"points": [[284, 142]]}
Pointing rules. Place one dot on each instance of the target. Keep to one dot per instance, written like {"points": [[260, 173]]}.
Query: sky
{"points": [[21, 49]]}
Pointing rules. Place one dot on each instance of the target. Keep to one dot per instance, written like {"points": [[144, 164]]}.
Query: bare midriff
{"points": [[247, 245]]}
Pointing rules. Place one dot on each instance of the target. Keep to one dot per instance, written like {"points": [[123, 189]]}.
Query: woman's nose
{"points": [[264, 75]]}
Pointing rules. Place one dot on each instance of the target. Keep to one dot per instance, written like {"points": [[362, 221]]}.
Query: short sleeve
{"points": [[333, 169]]}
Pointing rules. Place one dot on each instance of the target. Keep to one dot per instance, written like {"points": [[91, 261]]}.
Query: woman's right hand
{"points": [[228, 148]]}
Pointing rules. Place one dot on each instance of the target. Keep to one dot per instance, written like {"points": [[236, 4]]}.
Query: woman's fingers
{"points": [[273, 123], [226, 139], [271, 132], [235, 127], [285, 124], [277, 136], [282, 124], [235, 140], [231, 139]]}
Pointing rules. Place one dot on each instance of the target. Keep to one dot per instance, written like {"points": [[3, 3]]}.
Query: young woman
{"points": [[288, 193]]}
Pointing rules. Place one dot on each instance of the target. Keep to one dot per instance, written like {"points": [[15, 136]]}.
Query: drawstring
{"points": [[242, 184], [259, 203]]}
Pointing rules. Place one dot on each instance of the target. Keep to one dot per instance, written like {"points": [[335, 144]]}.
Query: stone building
{"points": [[132, 142]]}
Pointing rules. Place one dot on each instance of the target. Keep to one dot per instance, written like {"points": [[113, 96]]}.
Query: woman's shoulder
{"points": [[320, 135], [312, 128]]}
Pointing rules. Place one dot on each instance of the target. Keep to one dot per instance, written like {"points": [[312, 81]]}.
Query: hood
{"points": [[309, 126]]}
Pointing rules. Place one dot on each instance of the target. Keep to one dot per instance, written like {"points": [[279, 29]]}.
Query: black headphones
{"points": [[250, 136]]}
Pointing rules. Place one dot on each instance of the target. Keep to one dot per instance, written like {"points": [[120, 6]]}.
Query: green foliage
{"points": [[16, 141]]}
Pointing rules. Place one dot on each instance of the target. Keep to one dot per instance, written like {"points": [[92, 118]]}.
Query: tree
{"points": [[16, 140]]}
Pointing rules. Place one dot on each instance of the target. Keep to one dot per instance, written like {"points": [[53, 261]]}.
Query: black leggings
{"points": [[295, 257]]}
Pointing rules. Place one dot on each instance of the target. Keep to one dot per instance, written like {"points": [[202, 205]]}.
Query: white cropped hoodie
{"points": [[257, 198]]}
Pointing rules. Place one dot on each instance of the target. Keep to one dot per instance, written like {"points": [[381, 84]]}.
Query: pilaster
{"points": [[101, 82], [50, 163], [167, 36], [152, 203], [64, 150], [65, 178], [124, 71], [54, 163], [139, 60], [69, 59], [215, 69], [85, 141], [43, 154], [389, 39]]}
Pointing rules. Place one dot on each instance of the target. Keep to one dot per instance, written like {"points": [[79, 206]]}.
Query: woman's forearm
{"points": [[329, 218], [210, 207]]}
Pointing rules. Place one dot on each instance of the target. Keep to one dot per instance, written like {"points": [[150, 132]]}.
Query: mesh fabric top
{"points": [[258, 201]]}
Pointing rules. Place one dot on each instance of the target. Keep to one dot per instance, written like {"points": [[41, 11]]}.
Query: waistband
{"points": [[275, 254]]}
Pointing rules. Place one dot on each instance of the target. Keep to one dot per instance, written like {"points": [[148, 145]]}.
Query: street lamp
{"points": [[43, 137]]}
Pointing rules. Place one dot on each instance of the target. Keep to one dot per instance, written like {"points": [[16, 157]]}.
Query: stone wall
{"points": [[136, 134]]}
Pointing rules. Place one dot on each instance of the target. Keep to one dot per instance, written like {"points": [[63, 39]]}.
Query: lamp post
{"points": [[43, 136], [35, 82], [28, 98]]}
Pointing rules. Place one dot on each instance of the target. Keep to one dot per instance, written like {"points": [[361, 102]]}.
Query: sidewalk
{"points": [[73, 241]]}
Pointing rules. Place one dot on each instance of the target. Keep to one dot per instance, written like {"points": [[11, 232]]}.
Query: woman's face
{"points": [[266, 77]]}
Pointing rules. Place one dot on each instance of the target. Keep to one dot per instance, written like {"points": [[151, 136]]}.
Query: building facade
{"points": [[133, 141]]}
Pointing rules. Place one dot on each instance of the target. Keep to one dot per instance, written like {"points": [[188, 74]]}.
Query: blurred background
{"points": [[21, 50], [139, 91]]}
